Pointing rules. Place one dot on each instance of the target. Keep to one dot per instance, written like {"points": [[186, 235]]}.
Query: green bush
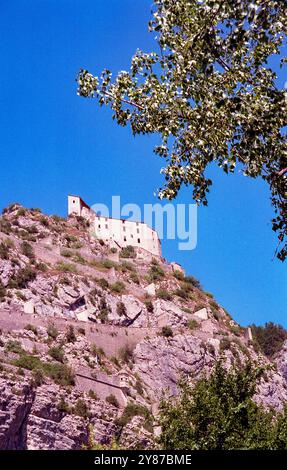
{"points": [[92, 394], [52, 331], [167, 332], [112, 400], [59, 373], [126, 354], [103, 283], [63, 406], [108, 264], [134, 409], [3, 292], [128, 252], [98, 352], [192, 324], [32, 328], [178, 275], [182, 293], [67, 268], [121, 309], [155, 273], [70, 334], [269, 337], [219, 413], [37, 378], [4, 251], [149, 305], [22, 278], [27, 250], [14, 347], [118, 287], [134, 278], [225, 344], [57, 353], [163, 294], [193, 281], [81, 409]]}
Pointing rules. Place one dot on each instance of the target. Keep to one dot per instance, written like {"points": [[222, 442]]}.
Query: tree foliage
{"points": [[269, 337], [210, 93], [219, 413]]}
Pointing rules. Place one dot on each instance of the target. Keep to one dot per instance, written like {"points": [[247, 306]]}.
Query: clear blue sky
{"points": [[54, 143]]}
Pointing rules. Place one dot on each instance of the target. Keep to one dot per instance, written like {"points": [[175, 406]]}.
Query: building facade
{"points": [[119, 232]]}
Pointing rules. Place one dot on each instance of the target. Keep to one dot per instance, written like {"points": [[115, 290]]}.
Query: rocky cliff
{"points": [[91, 337]]}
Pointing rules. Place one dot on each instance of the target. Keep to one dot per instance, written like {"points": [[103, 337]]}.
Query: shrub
{"points": [[63, 406], [155, 273], [225, 344], [149, 305], [2, 292], [134, 409], [5, 226], [126, 354], [127, 266], [98, 352], [269, 337], [104, 310], [182, 293], [128, 252], [52, 331], [70, 334], [178, 275], [121, 309], [112, 400], [219, 413], [192, 324], [118, 287], [134, 278], [37, 378], [163, 294], [81, 409], [193, 281], [113, 250], [32, 328], [92, 394], [27, 250], [82, 331], [60, 373], [4, 251], [57, 353], [103, 283], [166, 331], [22, 278], [14, 347], [67, 268], [66, 253], [108, 264]]}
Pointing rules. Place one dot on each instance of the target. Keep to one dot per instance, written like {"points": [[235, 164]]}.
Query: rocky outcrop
{"points": [[84, 333]]}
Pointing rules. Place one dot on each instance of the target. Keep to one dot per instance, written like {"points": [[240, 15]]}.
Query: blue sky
{"points": [[54, 143]]}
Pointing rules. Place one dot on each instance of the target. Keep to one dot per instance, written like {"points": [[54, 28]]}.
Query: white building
{"points": [[118, 231]]}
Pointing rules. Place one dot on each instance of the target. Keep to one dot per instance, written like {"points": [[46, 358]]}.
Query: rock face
{"points": [[84, 333]]}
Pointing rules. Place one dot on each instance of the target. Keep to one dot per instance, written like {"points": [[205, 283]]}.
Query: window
{"points": [[106, 225], [74, 201], [132, 236], [139, 240], [124, 229], [125, 239], [99, 226], [138, 230]]}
